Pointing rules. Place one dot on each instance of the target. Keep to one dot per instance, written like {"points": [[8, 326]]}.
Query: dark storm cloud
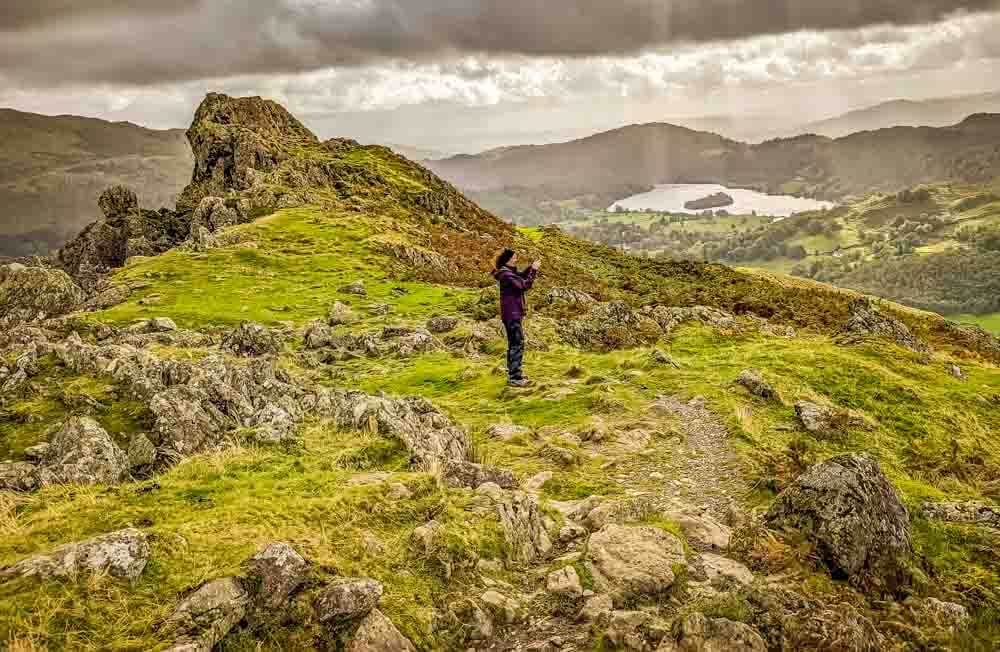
{"points": [[23, 14], [54, 42]]}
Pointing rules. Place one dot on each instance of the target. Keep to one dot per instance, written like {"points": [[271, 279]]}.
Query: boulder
{"points": [[273, 575], [117, 202], [442, 324], [377, 634], [701, 530], [250, 340], [82, 452], [357, 287], [564, 583], [698, 633], [340, 314], [18, 476], [867, 321], [536, 482], [971, 513], [212, 214], [637, 631], [524, 527], [722, 571], [838, 629], [507, 431], [186, 420], [753, 381], [827, 422], [460, 473], [634, 561], [37, 452], [670, 318], [503, 609], [31, 293], [853, 515], [141, 452], [610, 326], [417, 343], [204, 618], [596, 609], [347, 600], [946, 615], [659, 356], [562, 297], [122, 554]]}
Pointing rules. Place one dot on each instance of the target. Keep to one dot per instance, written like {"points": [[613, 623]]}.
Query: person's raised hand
{"points": [[537, 265]]}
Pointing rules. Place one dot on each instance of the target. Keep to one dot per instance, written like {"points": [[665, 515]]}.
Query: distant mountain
{"points": [[52, 169], [417, 153], [938, 112], [810, 165]]}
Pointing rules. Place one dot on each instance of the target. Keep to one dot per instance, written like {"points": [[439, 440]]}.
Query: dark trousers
{"points": [[515, 348]]}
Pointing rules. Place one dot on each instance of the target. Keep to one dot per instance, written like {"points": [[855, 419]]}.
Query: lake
{"points": [[672, 197]]}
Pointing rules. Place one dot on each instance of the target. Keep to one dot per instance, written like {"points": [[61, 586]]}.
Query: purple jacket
{"points": [[513, 285]]}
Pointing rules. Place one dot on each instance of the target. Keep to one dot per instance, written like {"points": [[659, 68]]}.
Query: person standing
{"points": [[513, 286]]}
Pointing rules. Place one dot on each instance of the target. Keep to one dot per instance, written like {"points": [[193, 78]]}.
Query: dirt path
{"points": [[709, 471], [697, 471]]}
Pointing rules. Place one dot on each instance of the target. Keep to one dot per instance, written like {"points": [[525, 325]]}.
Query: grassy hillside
{"points": [[598, 419], [52, 169]]}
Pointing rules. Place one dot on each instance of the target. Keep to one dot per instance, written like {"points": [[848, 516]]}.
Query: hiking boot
{"points": [[519, 382]]}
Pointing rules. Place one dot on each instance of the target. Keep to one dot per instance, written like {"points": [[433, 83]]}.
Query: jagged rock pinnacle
{"points": [[232, 138]]}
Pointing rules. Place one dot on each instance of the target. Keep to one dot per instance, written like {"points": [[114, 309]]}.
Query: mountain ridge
{"points": [[809, 165]]}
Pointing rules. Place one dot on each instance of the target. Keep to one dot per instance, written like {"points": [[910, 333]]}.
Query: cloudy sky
{"points": [[469, 74]]}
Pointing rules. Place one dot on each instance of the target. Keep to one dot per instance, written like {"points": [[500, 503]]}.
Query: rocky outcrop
{"points": [[565, 298], [250, 340], [236, 139], [631, 561], [18, 476], [564, 583], [462, 473], [697, 633], [670, 318], [867, 321], [124, 232], [827, 422], [524, 527], [35, 293], [851, 512], [753, 381], [610, 326], [376, 633], [442, 324], [839, 628], [970, 513], [347, 600], [273, 575], [82, 452], [431, 263], [121, 554], [196, 403], [203, 619], [340, 314]]}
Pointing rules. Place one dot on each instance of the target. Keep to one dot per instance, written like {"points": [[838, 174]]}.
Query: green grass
{"points": [[990, 322], [298, 261], [934, 435], [207, 516], [27, 419]]}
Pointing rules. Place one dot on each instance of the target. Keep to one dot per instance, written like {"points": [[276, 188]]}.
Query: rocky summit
{"points": [[274, 417]]}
